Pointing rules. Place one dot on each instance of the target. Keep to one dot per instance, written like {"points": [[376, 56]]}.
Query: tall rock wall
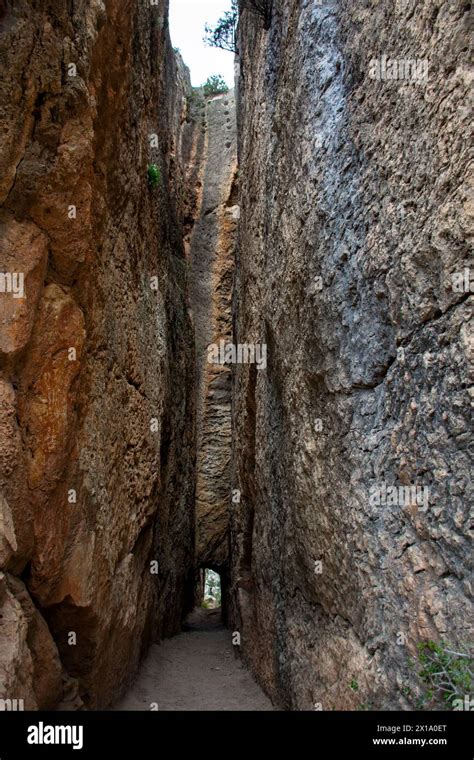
{"points": [[211, 257], [96, 358], [354, 218]]}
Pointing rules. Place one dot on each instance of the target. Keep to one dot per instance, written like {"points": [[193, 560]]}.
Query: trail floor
{"points": [[195, 670]]}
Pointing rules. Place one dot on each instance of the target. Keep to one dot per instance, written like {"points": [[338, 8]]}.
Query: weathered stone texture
{"points": [[361, 183], [211, 254], [97, 360], [30, 669]]}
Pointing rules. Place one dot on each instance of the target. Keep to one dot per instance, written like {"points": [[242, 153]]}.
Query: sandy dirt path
{"points": [[196, 670]]}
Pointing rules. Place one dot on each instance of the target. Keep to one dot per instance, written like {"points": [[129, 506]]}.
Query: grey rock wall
{"points": [[355, 216], [211, 256]]}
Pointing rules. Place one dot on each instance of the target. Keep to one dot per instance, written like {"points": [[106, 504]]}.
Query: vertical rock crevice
{"points": [[211, 256], [123, 443]]}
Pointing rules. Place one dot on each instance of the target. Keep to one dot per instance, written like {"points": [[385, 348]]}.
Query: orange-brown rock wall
{"points": [[96, 350]]}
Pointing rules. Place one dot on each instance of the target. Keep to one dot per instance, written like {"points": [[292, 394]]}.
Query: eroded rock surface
{"points": [[353, 223], [354, 217], [97, 367], [211, 254]]}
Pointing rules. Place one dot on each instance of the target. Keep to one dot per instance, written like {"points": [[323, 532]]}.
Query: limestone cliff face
{"points": [[211, 257], [354, 216], [96, 358]]}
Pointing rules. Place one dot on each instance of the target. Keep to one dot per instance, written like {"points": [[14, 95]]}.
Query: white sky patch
{"points": [[187, 20]]}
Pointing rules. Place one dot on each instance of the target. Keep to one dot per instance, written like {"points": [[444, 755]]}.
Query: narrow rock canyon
{"points": [[235, 336], [211, 260]]}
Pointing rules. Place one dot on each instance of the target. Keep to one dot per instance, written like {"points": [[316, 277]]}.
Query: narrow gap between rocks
{"points": [[200, 668]]}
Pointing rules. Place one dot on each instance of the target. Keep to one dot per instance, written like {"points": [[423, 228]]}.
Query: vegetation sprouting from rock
{"points": [[224, 34], [446, 671], [215, 85], [154, 175]]}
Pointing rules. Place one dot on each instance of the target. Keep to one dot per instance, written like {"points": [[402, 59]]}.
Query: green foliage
{"points": [[354, 685], [224, 34], [445, 671], [212, 587], [154, 175], [215, 85]]}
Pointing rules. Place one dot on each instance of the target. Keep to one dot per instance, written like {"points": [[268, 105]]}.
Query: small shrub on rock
{"points": [[215, 85]]}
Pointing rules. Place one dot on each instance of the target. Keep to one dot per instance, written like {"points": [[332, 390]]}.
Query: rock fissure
{"points": [[284, 215]]}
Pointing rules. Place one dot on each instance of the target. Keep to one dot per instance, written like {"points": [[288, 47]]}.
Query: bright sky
{"points": [[187, 20]]}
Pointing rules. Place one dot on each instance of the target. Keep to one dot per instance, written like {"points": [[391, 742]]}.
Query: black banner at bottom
{"points": [[152, 734]]}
